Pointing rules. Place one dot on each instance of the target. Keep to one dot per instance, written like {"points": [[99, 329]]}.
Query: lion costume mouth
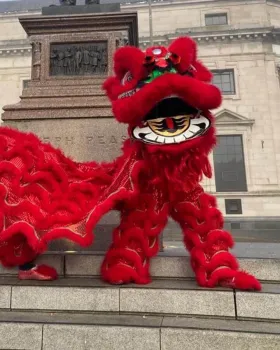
{"points": [[171, 121]]}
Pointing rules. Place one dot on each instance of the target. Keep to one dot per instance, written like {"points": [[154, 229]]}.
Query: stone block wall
{"points": [[168, 16], [14, 69], [257, 98]]}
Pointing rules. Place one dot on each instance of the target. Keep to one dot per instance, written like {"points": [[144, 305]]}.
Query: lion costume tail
{"points": [[44, 195]]}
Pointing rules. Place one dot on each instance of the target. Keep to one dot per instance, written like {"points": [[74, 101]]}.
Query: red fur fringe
{"points": [[208, 243], [46, 196]]}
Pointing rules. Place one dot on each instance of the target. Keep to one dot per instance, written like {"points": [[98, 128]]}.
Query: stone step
{"points": [[75, 331], [171, 267], [172, 263], [88, 81], [165, 297], [92, 295], [58, 102], [13, 113], [264, 305]]}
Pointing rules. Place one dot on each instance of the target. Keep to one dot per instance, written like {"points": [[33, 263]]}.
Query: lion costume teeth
{"points": [[171, 130]]}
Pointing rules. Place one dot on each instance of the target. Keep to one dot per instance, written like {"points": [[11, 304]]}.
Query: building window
{"points": [[224, 80], [216, 19], [229, 165], [233, 206]]}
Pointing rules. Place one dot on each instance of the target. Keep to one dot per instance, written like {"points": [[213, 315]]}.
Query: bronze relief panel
{"points": [[79, 59]]}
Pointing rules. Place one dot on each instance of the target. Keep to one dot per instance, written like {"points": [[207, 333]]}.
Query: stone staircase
{"points": [[78, 311]]}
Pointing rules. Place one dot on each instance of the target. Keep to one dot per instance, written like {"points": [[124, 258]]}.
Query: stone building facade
{"points": [[240, 42]]}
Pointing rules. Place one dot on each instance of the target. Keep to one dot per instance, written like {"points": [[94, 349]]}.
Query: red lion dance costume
{"points": [[164, 95]]}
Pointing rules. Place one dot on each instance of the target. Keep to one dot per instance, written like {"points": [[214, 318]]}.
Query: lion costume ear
{"points": [[201, 72], [129, 59], [186, 49]]}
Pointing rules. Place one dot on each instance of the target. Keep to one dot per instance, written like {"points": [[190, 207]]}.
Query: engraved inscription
{"points": [[94, 140], [78, 59], [57, 139], [101, 140], [105, 140], [87, 147]]}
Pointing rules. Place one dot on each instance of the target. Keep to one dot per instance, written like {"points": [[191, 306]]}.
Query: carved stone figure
{"points": [[78, 60], [36, 60], [54, 60], [60, 62], [68, 61], [94, 58], [104, 61], [86, 60]]}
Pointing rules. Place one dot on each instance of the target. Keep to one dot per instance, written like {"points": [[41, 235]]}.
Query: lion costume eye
{"points": [[175, 59], [127, 78]]}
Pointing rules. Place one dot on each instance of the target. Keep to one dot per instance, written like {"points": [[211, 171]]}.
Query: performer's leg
{"points": [[27, 266], [31, 271], [16, 252], [135, 241], [209, 244]]}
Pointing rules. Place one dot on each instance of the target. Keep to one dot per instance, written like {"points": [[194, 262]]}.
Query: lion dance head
{"points": [[165, 96]]}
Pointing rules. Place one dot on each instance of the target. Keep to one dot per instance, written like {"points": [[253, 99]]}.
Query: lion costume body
{"points": [[165, 96]]}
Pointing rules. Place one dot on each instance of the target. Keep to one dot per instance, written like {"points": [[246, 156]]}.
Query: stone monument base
{"points": [[72, 55], [63, 103]]}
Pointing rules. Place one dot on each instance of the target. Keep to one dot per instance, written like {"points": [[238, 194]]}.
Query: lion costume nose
{"points": [[161, 62]]}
